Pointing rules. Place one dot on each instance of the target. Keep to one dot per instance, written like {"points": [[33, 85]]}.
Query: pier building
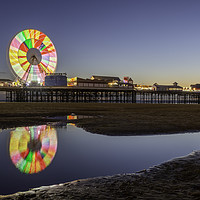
{"points": [[5, 82], [56, 79], [100, 82], [105, 78], [195, 87], [143, 87], [81, 82], [173, 87]]}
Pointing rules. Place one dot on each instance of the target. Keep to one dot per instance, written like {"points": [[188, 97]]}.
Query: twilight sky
{"points": [[148, 40]]}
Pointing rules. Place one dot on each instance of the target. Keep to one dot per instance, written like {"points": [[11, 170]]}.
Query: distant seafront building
{"points": [[100, 82], [81, 82], [195, 87], [6, 82], [113, 81], [105, 78], [143, 87], [173, 87]]}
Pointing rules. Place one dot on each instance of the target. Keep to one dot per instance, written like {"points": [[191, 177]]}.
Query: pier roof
{"points": [[106, 78]]}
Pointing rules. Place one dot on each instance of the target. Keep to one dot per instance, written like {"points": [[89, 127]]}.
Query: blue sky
{"points": [[148, 40]]}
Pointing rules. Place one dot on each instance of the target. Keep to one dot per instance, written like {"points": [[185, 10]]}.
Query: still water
{"points": [[42, 155]]}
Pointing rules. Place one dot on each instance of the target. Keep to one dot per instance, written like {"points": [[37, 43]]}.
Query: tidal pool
{"points": [[44, 155]]}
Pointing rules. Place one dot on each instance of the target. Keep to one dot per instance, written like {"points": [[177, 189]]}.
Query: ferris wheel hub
{"points": [[34, 56], [34, 145]]}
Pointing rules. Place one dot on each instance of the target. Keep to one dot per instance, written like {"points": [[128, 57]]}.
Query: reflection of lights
{"points": [[71, 117], [32, 149], [71, 124]]}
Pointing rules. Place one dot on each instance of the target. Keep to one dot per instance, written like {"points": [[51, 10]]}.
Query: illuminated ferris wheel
{"points": [[31, 56]]}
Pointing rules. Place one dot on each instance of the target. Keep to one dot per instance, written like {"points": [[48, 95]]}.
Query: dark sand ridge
{"points": [[176, 179], [110, 119]]}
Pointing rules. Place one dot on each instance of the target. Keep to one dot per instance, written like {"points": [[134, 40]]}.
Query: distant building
{"points": [[56, 79], [105, 78], [173, 87], [143, 87], [113, 81], [127, 82], [100, 82], [195, 87], [188, 89], [80, 82], [5, 83]]}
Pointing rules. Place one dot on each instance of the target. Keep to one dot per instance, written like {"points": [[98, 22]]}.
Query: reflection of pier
{"points": [[98, 95]]}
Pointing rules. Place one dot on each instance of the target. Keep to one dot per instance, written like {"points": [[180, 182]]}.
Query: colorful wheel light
{"points": [[32, 149], [32, 55]]}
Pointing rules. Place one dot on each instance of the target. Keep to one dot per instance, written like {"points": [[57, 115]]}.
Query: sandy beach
{"points": [[175, 179], [109, 118]]}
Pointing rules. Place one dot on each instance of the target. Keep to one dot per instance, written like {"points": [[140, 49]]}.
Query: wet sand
{"points": [[110, 119], [173, 180]]}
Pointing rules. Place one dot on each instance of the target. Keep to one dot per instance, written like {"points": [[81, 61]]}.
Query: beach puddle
{"points": [[35, 156]]}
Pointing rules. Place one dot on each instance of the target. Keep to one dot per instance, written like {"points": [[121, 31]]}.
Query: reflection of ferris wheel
{"points": [[32, 149], [31, 56]]}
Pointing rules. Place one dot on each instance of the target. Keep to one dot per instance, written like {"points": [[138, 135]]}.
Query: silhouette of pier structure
{"points": [[98, 95], [69, 94]]}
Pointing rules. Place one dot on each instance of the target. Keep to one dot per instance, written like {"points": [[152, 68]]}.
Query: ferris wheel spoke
{"points": [[42, 46], [50, 47], [45, 58], [44, 52], [28, 43], [47, 52], [31, 33], [25, 76], [21, 56], [44, 67], [45, 61], [16, 43], [24, 47], [27, 68], [37, 44], [42, 36], [40, 69], [25, 63]]}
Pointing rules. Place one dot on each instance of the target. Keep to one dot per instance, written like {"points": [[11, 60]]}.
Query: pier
{"points": [[98, 95], [69, 94], [170, 97]]}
